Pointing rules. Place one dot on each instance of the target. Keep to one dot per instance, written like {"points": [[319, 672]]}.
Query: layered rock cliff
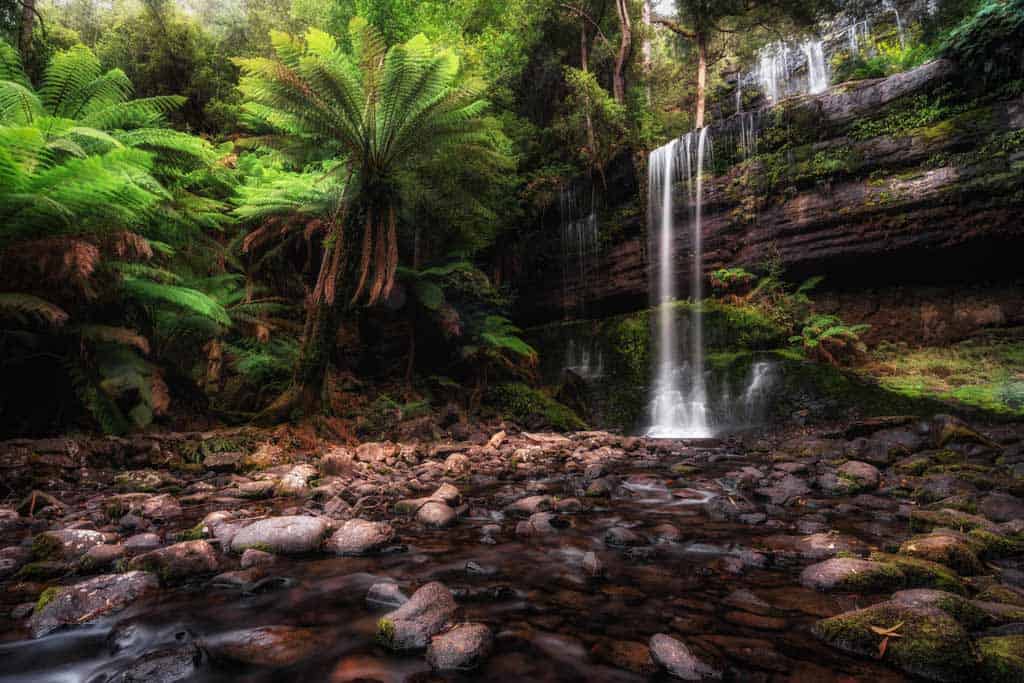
{"points": [[896, 180]]}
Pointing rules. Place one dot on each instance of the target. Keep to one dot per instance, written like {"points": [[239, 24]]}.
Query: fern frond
{"points": [[26, 305]]}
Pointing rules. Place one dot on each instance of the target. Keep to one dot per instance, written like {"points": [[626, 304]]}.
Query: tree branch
{"points": [[676, 28]]}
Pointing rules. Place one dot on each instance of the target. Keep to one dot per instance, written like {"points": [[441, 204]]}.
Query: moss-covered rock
{"points": [[533, 408], [967, 614], [948, 548], [1002, 659], [923, 641], [918, 573]]}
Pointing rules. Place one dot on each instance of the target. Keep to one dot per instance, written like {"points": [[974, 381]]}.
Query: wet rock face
{"points": [[360, 537], [89, 599], [282, 535], [163, 666], [411, 626], [461, 649]]}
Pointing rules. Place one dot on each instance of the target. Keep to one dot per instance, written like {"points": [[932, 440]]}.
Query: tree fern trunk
{"points": [[28, 19]]}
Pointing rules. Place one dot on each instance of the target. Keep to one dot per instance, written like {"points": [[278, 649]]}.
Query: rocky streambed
{"points": [[884, 550]]}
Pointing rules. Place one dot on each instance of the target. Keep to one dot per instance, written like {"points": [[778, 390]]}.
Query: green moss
{"points": [[994, 546], [931, 644], [263, 547], [385, 632], [46, 547], [196, 533], [1001, 594], [920, 573], [528, 406], [46, 597], [1002, 658]]}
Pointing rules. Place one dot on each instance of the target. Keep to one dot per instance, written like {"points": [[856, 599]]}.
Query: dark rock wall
{"points": [[875, 184]]}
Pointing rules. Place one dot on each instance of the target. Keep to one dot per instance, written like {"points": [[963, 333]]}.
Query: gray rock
{"points": [[673, 656], [461, 649], [256, 558], [101, 557], [1002, 507], [282, 535], [296, 481], [270, 646], [524, 507], [539, 524], [429, 611], [436, 514], [621, 537], [162, 666], [90, 599], [860, 475], [178, 561], [386, 594], [850, 573], [142, 542], [360, 537], [65, 544], [161, 508]]}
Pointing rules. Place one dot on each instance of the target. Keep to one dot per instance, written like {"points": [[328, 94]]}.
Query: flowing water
{"points": [[579, 246], [679, 401], [709, 581], [817, 69]]}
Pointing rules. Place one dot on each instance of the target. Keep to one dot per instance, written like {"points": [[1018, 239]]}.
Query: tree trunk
{"points": [[702, 80], [28, 18], [625, 45], [585, 66], [648, 58]]}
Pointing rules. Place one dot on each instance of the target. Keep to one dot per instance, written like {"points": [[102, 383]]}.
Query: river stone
{"points": [[945, 547], [428, 612], [89, 599], [673, 656], [360, 537], [461, 649], [436, 514], [860, 475], [142, 542], [281, 535], [785, 490], [163, 666], [386, 594], [295, 482], [101, 557], [457, 465], [970, 616], [848, 573], [622, 537], [272, 646], [1002, 658], [256, 558], [337, 461], [1002, 507], [932, 645], [540, 524], [66, 544], [524, 507], [161, 508], [178, 561]]}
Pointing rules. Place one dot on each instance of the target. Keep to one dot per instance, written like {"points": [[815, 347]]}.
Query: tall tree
{"points": [[28, 19], [380, 120], [625, 51]]}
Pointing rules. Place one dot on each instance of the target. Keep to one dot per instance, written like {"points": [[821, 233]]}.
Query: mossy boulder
{"points": [[1002, 658], [948, 548], [533, 408], [852, 574], [923, 641], [967, 614], [918, 573]]}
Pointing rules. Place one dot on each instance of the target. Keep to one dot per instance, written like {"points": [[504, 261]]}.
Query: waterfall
{"points": [[585, 358], [579, 246], [773, 70], [679, 400], [891, 6], [817, 71]]}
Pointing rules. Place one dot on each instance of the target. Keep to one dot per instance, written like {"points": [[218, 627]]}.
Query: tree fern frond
{"points": [[23, 305], [114, 335], [182, 297]]}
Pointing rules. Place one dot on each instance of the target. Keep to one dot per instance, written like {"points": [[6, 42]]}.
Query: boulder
{"points": [[436, 514], [178, 561], [360, 537], [461, 649], [281, 535], [945, 547], [268, 646], [295, 482], [88, 600], [926, 642], [851, 574], [410, 627], [674, 657], [860, 476], [65, 544]]}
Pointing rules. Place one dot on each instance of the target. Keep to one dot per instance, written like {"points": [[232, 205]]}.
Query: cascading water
{"points": [[679, 400], [817, 70], [579, 247]]}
